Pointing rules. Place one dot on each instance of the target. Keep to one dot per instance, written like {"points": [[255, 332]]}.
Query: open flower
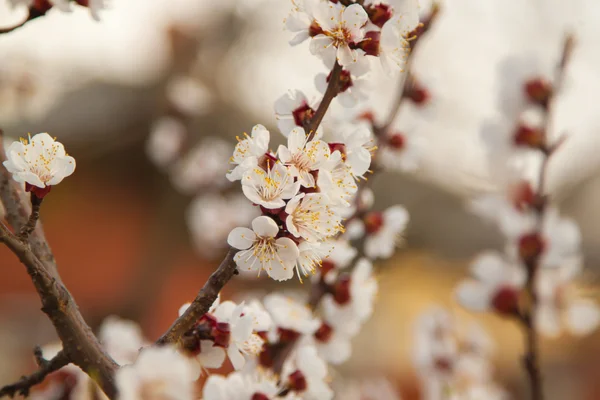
{"points": [[248, 151], [336, 181], [497, 285], [306, 374], [40, 162], [383, 231], [310, 217], [159, 372], [289, 314], [269, 188], [341, 27], [293, 110], [394, 46], [302, 156], [241, 386], [261, 249], [358, 146]]}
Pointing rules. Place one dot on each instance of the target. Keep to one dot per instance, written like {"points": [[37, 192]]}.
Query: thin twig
{"points": [[24, 385], [29, 227], [332, 90], [205, 298]]}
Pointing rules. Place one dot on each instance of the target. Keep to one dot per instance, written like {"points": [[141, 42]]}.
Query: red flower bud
{"points": [[538, 91], [341, 290], [373, 221], [526, 136], [531, 247], [396, 141], [324, 333], [297, 381], [506, 300]]}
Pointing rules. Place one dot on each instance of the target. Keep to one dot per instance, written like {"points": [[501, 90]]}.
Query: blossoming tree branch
{"points": [[312, 219]]}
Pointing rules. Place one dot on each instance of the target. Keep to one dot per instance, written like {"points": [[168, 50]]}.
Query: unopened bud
{"points": [[531, 247], [538, 91], [506, 300]]}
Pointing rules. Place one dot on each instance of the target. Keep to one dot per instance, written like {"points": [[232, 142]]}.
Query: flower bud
{"points": [[538, 91], [324, 333], [373, 222], [531, 247], [506, 300], [297, 381]]}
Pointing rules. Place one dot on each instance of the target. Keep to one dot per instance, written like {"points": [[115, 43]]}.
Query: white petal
{"points": [[489, 267], [360, 161], [547, 321], [241, 238], [265, 226], [296, 140], [287, 249], [235, 356], [211, 356], [355, 17], [473, 295]]}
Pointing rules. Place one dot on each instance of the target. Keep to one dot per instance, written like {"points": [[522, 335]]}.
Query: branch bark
{"points": [[24, 385], [80, 345], [333, 88], [201, 304]]}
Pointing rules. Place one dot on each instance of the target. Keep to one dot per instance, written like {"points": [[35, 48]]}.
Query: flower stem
{"points": [[29, 227]]}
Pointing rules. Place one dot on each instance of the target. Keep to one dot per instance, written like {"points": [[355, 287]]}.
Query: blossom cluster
{"points": [[541, 245], [453, 359]]}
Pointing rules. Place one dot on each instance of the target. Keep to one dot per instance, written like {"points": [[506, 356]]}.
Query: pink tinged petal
{"points": [[360, 161], [264, 226], [582, 317], [473, 295], [211, 356], [346, 56], [235, 356], [241, 238], [355, 17], [296, 140], [547, 321]]}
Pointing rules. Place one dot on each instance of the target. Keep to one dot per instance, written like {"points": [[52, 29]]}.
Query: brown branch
{"points": [[24, 385], [531, 359], [205, 298], [29, 227], [333, 88], [17, 213]]}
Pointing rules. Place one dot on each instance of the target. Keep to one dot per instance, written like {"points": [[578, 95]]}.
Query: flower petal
{"points": [[265, 226], [241, 238]]}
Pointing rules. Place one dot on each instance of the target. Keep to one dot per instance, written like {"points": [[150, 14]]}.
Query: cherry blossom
{"points": [[293, 110], [41, 162], [165, 141], [310, 217], [122, 339], [383, 231], [303, 157], [158, 372], [353, 299], [394, 46], [336, 181], [271, 187], [339, 28], [306, 374], [353, 88], [560, 305], [496, 285], [241, 386], [287, 313], [358, 145], [333, 345], [248, 151], [262, 250], [400, 151]]}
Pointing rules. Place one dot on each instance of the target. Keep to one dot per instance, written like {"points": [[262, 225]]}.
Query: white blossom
{"points": [[203, 166], [271, 187], [291, 110], [341, 26], [262, 250], [306, 374], [394, 47], [311, 217], [290, 314], [336, 181], [159, 372], [240, 386], [496, 284], [353, 89], [302, 156], [248, 151], [383, 233], [165, 142], [40, 161], [122, 339]]}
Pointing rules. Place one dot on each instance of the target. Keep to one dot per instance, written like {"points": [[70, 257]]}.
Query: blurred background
{"points": [[149, 101]]}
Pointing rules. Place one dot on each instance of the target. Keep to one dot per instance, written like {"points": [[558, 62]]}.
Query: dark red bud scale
{"points": [[417, 93], [303, 114], [506, 300], [288, 335], [341, 290], [370, 44], [40, 193], [40, 7], [538, 91], [222, 333], [379, 14], [324, 333], [397, 141], [314, 29], [526, 136], [373, 222], [259, 396], [297, 381], [531, 246], [523, 196], [326, 266]]}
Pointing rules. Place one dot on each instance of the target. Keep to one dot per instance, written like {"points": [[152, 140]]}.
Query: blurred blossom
{"points": [[122, 339], [203, 166], [376, 388], [189, 96], [210, 220], [166, 139]]}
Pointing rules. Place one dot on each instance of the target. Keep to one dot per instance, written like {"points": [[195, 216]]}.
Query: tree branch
{"points": [[79, 343], [18, 212], [24, 385], [332, 90], [28, 228], [205, 298]]}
